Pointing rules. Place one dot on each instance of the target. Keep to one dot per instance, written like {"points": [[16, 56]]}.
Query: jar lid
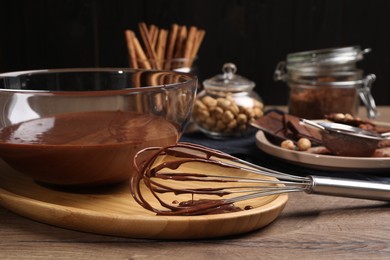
{"points": [[325, 57], [228, 81]]}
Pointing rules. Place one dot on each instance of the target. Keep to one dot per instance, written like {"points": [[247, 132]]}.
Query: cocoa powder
{"points": [[315, 103]]}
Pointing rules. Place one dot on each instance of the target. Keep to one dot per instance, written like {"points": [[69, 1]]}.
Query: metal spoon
{"points": [[345, 140]]}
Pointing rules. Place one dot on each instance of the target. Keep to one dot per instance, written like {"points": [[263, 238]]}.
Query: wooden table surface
{"points": [[310, 227]]}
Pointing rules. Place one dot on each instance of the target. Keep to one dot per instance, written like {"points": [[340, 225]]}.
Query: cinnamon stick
{"points": [[151, 29], [171, 45], [190, 44], [129, 34], [148, 45], [153, 32], [198, 41], [161, 46], [141, 56], [182, 34]]}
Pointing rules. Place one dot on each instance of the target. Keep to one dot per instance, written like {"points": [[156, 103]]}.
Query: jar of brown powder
{"points": [[326, 81]]}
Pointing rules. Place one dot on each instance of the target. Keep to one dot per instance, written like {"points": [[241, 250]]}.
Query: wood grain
{"points": [[310, 227], [113, 211]]}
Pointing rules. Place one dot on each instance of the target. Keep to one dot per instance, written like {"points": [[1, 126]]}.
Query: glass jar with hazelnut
{"points": [[227, 105]]}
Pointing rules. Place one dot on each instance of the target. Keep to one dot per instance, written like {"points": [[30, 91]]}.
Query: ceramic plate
{"points": [[323, 162]]}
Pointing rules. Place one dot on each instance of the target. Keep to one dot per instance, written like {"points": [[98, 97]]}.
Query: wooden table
{"points": [[310, 227]]}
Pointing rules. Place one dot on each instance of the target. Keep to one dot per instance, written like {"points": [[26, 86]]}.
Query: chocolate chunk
{"points": [[300, 130], [285, 126], [272, 124]]}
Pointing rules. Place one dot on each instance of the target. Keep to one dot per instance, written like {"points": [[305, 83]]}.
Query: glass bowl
{"points": [[82, 127]]}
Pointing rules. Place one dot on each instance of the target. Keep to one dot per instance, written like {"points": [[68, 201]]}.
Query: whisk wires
{"points": [[225, 180]]}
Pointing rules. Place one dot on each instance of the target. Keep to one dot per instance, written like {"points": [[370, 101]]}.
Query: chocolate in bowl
{"points": [[82, 127], [344, 145], [346, 140]]}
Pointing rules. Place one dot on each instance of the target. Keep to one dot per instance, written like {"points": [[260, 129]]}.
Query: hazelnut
{"points": [[242, 119], [339, 116], [258, 112], [258, 104], [234, 108], [303, 144], [348, 116], [224, 115], [232, 124], [288, 144], [217, 112], [220, 126], [227, 116], [209, 101], [223, 103], [199, 105]]}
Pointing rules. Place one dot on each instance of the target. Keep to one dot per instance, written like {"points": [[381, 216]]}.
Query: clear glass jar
{"points": [[187, 65], [227, 105], [326, 81]]}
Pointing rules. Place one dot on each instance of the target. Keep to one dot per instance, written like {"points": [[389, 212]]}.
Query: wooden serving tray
{"points": [[112, 211]]}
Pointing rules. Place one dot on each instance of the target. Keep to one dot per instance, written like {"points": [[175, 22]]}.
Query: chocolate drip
{"points": [[149, 174]]}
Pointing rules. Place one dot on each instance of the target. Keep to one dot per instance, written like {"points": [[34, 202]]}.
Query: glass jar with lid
{"points": [[326, 81], [227, 105]]}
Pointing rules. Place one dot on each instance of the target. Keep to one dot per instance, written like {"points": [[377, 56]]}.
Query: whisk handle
{"points": [[349, 188]]}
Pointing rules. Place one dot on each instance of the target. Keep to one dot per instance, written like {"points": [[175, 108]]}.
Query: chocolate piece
{"points": [[349, 145], [272, 124], [301, 130], [285, 126], [289, 133]]}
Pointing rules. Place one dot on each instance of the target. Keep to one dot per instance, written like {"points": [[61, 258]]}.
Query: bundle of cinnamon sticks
{"points": [[162, 46]]}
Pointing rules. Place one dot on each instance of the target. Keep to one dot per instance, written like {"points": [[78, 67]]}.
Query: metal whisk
{"points": [[243, 181]]}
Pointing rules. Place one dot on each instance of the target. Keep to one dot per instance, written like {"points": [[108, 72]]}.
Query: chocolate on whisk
{"points": [[148, 173], [155, 176]]}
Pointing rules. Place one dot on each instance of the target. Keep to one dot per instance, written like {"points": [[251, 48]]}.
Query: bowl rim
{"points": [[13, 74]]}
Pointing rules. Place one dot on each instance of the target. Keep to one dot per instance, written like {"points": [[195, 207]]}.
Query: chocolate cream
{"points": [[83, 148]]}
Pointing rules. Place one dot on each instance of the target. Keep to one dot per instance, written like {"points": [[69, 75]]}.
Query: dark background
{"points": [[254, 34]]}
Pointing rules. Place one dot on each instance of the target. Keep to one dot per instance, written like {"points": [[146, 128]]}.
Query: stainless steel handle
{"points": [[312, 123], [349, 188]]}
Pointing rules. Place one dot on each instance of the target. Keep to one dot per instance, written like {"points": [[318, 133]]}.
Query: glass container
{"points": [[227, 105], [326, 81], [83, 127]]}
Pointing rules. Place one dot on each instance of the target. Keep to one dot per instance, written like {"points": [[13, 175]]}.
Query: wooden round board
{"points": [[112, 211]]}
